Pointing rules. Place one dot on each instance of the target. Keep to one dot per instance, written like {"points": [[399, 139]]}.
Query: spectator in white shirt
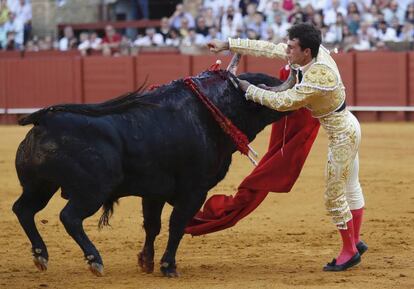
{"points": [[23, 11], [68, 41], [342, 3], [233, 16], [394, 10], [406, 34], [164, 29], [215, 5], [259, 25], [201, 26], [318, 4], [363, 5], [95, 41], [371, 16], [209, 17], [213, 33], [334, 35], [84, 44], [228, 29], [395, 24], [173, 38], [12, 4], [231, 3], [178, 15], [194, 39], [366, 36], [46, 43], [271, 36], [151, 38], [385, 33], [15, 26], [250, 18], [270, 13], [331, 12], [280, 26], [265, 5]]}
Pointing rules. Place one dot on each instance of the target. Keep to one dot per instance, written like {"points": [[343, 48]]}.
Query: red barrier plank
{"points": [[2, 86], [161, 69], [34, 83], [345, 63], [366, 116], [203, 62], [78, 80], [107, 77], [270, 66], [391, 116], [10, 54], [411, 79], [381, 78], [52, 53]]}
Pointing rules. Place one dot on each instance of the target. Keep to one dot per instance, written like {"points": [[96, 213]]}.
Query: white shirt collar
{"points": [[306, 67]]}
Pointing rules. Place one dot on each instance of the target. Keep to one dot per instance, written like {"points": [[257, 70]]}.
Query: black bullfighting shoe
{"points": [[362, 247], [332, 267]]}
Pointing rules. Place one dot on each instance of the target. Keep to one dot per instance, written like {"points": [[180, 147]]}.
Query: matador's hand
{"points": [[216, 45], [244, 84], [264, 86]]}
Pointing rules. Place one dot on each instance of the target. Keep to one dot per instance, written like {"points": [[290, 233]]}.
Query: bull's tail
{"points": [[108, 211]]}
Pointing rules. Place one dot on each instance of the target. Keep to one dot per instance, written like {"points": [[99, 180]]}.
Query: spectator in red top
{"points": [[111, 42], [288, 5]]}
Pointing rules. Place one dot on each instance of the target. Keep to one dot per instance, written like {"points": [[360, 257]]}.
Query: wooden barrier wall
{"points": [[107, 77], [38, 80]]}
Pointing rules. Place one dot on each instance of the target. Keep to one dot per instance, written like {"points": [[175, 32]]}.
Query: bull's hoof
{"points": [[97, 269], [40, 262], [146, 265], [168, 270]]}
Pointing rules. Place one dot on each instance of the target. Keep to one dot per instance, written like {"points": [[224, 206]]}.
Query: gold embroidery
{"points": [[343, 147], [258, 48], [290, 99], [321, 91], [321, 79]]}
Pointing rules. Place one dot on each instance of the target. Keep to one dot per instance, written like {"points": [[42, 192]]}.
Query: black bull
{"points": [[163, 145]]}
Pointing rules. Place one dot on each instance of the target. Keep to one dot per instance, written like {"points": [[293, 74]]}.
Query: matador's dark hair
{"points": [[308, 36]]}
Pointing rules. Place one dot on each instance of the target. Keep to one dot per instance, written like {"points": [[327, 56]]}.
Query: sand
{"points": [[283, 244]]}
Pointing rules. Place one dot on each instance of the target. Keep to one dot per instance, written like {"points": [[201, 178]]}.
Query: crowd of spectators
{"points": [[345, 24], [15, 24]]}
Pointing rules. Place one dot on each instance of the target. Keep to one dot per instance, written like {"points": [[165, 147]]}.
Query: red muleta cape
{"points": [[290, 142]]}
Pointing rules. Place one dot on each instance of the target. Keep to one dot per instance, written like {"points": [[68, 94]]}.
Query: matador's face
{"points": [[296, 55]]}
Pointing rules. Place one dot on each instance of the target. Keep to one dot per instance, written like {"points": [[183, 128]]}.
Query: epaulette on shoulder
{"points": [[320, 76]]}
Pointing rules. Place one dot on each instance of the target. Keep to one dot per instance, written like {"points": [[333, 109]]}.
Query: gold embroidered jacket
{"points": [[321, 89]]}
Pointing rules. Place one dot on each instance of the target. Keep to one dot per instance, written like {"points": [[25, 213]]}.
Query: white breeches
{"points": [[343, 191]]}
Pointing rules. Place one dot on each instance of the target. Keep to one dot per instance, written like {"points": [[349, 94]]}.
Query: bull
{"points": [[162, 145]]}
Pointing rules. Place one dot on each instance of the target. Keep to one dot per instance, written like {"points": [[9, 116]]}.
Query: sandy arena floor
{"points": [[283, 244]]}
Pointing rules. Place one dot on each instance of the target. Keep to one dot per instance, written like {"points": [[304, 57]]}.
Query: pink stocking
{"points": [[348, 244]]}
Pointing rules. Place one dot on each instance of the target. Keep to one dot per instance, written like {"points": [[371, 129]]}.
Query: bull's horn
{"points": [[234, 63], [289, 83]]}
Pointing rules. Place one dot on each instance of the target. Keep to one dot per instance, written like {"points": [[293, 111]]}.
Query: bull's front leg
{"points": [[184, 211]]}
